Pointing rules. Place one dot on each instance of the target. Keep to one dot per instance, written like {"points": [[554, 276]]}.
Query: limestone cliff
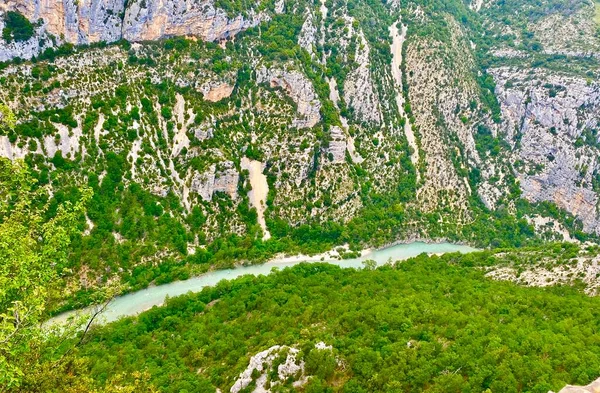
{"points": [[88, 21], [551, 122], [150, 20], [74, 21]]}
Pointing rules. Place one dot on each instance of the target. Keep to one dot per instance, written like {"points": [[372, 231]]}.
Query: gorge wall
{"points": [[82, 22], [458, 120]]}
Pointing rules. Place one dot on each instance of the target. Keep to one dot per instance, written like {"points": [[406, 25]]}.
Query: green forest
{"points": [[430, 324], [16, 27]]}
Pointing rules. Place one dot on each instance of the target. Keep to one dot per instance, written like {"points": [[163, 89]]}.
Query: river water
{"points": [[136, 302]]}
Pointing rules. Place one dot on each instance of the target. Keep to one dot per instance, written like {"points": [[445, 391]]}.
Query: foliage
{"points": [[33, 254], [16, 27], [34, 241], [430, 324], [7, 118]]}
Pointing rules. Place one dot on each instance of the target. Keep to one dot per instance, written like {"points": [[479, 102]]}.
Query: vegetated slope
{"points": [[429, 324], [163, 132]]}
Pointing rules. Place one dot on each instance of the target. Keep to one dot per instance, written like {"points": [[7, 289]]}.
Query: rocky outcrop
{"points": [[594, 387], [476, 5], [147, 20], [215, 92], [87, 21], [262, 362], [203, 132], [307, 38], [67, 142], [224, 179], [261, 367], [359, 91], [300, 90], [337, 145], [24, 49], [551, 121], [279, 6]]}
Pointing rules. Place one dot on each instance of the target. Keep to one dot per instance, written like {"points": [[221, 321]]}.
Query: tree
{"points": [[33, 256], [7, 117], [17, 27], [369, 264]]}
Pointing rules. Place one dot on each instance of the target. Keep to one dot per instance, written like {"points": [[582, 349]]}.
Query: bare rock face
{"points": [[225, 179], [87, 21], [307, 38], [215, 92], [337, 145], [551, 120], [261, 366], [262, 361], [279, 6], [594, 387], [147, 20], [359, 92], [300, 89], [24, 49], [203, 132], [97, 20], [10, 151], [68, 143], [75, 21]]}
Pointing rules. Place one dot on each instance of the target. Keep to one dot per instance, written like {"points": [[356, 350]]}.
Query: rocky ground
{"points": [[593, 387], [540, 270], [273, 367]]}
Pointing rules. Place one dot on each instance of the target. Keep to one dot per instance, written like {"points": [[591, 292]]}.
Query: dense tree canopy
{"points": [[33, 251], [427, 325], [16, 27]]}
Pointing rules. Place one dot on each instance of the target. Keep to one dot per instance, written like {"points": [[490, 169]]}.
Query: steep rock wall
{"points": [[82, 22], [150, 20], [551, 121], [74, 21]]}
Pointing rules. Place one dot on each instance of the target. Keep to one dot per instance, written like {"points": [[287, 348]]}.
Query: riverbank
{"points": [[136, 302], [343, 252]]}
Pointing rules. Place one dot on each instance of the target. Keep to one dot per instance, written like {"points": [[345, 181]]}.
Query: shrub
{"points": [[16, 27]]}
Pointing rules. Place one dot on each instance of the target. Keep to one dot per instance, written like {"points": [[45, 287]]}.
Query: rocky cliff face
{"points": [[82, 22], [76, 22], [150, 20], [551, 120]]}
